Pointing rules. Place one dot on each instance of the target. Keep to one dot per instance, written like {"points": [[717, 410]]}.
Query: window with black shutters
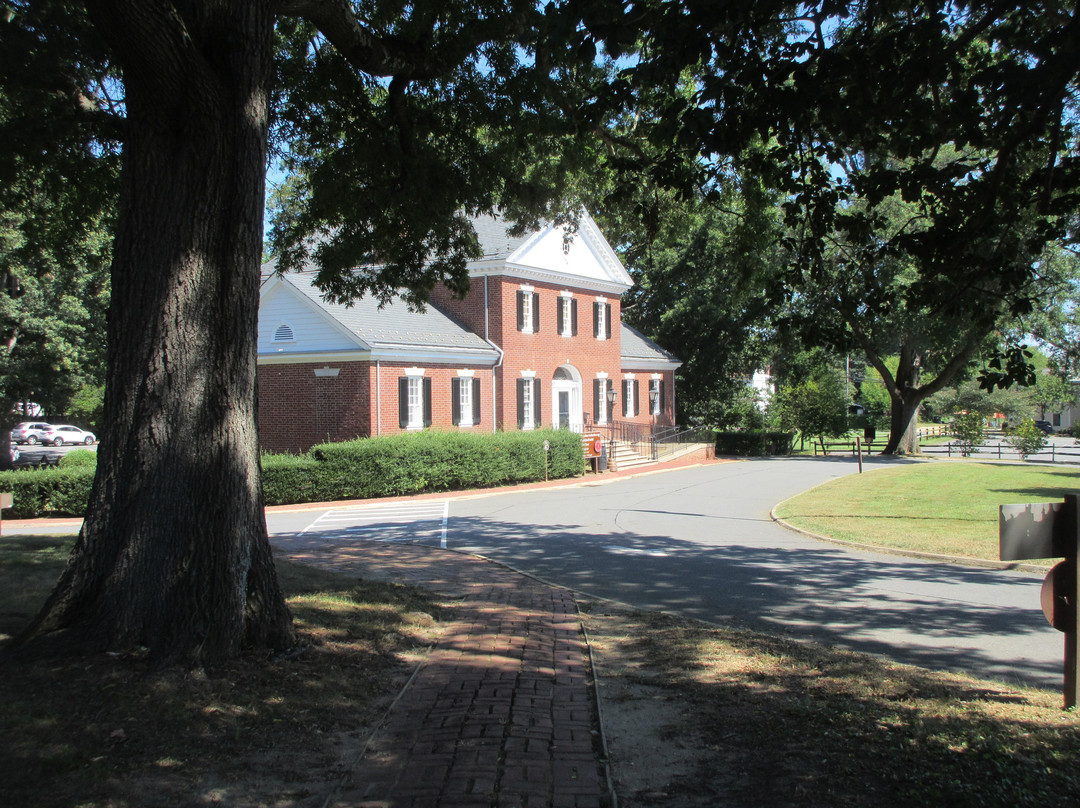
{"points": [[414, 402], [465, 401], [567, 316], [528, 403], [602, 320], [528, 311]]}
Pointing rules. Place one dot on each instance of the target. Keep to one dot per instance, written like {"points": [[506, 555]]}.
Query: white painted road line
{"points": [[372, 519], [614, 548]]}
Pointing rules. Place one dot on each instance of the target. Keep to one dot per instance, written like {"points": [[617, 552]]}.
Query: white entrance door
{"points": [[566, 401]]}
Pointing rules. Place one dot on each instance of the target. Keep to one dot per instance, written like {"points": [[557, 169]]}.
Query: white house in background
{"points": [[1067, 418], [762, 383]]}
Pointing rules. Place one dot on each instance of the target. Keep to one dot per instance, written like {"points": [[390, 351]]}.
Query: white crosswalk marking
{"points": [[394, 521]]}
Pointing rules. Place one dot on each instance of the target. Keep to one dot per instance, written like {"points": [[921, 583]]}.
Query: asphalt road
{"points": [[700, 542]]}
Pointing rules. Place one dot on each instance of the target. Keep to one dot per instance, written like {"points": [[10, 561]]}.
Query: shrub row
{"points": [[419, 462], [60, 491], [362, 469], [754, 444]]}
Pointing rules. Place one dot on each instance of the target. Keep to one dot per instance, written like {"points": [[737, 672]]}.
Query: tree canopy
{"points": [[400, 120], [926, 156], [58, 180]]}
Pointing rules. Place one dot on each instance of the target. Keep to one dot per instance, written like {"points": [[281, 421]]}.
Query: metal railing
{"points": [[656, 441]]}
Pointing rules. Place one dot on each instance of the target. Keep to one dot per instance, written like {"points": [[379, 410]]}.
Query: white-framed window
{"points": [[631, 396], [528, 310], [528, 400], [602, 319], [601, 385], [465, 404], [465, 399], [416, 403], [414, 399], [527, 406], [567, 315], [656, 394]]}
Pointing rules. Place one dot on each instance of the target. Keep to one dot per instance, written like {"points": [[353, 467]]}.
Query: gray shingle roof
{"points": [[393, 325], [637, 347], [494, 240]]}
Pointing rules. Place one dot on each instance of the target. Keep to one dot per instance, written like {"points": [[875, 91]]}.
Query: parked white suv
{"points": [[29, 432], [59, 434]]}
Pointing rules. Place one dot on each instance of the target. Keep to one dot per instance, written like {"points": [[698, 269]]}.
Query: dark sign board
{"points": [[1039, 530], [1048, 530]]}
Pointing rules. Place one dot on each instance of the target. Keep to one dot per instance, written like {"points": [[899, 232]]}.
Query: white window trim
{"points": [[601, 319], [528, 405], [416, 398], [526, 309], [654, 384], [602, 417], [464, 399], [628, 396]]}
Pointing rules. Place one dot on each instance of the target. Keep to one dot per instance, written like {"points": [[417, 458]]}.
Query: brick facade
{"points": [[302, 403], [298, 408]]}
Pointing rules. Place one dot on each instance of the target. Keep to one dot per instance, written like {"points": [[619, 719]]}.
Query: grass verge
{"points": [[943, 508], [762, 721], [104, 732]]}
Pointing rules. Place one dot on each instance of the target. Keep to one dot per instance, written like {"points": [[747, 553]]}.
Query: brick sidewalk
{"points": [[501, 714]]}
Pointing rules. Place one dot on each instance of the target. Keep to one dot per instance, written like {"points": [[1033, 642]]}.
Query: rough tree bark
{"points": [[174, 554], [906, 390]]}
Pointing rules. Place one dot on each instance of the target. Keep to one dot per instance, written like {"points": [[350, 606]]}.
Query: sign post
{"points": [[1051, 530], [6, 500], [592, 445]]}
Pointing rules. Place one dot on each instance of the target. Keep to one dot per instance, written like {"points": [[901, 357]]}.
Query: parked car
{"points": [[59, 434], [29, 431], [1045, 426]]}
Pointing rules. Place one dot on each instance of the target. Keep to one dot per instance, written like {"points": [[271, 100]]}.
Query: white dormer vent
{"points": [[284, 333]]}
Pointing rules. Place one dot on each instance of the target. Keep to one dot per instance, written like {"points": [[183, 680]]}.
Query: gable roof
{"points": [[640, 352], [495, 242], [383, 331], [552, 254]]}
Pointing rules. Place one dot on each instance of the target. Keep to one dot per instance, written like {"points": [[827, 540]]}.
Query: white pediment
{"points": [[582, 258]]}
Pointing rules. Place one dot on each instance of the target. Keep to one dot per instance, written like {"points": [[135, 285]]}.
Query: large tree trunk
{"points": [[903, 424], [906, 396], [174, 555]]}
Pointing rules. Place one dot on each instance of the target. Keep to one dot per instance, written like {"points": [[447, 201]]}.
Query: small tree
{"points": [[1028, 439], [1052, 393], [970, 430], [814, 406], [876, 402]]}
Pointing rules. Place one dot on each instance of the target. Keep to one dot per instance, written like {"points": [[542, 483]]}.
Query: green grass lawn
{"points": [[935, 507]]}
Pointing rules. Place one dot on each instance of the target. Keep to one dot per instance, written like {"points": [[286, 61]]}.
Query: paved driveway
{"points": [[700, 542]]}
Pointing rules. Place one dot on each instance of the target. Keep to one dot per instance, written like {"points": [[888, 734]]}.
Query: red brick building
{"points": [[538, 341]]}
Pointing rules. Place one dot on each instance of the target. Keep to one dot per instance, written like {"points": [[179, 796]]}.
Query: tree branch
{"points": [[156, 50], [419, 58]]}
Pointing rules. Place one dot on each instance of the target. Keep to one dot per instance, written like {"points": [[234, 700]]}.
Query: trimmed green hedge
{"points": [[368, 468], [289, 479], [754, 444], [55, 491], [419, 462]]}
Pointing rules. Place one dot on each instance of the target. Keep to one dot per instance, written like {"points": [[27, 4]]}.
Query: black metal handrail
{"points": [[655, 441]]}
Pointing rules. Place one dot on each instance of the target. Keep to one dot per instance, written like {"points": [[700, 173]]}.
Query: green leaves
{"points": [[1006, 366]]}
